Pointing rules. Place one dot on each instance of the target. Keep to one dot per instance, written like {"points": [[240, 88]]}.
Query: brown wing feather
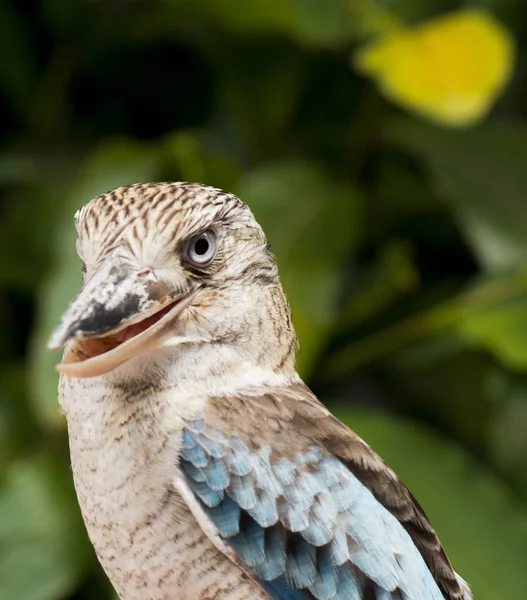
{"points": [[269, 419]]}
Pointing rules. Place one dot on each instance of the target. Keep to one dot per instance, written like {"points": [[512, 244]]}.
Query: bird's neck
{"points": [[177, 382]]}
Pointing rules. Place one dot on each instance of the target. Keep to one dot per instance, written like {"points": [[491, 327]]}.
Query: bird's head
{"points": [[167, 268]]}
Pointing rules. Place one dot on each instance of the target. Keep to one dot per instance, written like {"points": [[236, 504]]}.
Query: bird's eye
{"points": [[202, 248]]}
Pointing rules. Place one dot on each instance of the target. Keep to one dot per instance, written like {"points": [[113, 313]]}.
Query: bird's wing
{"points": [[306, 506]]}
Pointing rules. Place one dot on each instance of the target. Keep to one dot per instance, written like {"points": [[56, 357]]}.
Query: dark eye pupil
{"points": [[201, 246]]}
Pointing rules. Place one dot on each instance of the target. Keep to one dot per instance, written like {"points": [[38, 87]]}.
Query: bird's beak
{"points": [[118, 314]]}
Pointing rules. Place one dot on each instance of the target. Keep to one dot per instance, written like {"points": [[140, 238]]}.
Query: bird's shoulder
{"points": [[290, 425]]}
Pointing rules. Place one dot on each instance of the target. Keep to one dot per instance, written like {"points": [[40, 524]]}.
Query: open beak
{"points": [[118, 314]]}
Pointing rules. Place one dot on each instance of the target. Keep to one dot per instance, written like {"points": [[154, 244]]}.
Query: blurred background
{"points": [[382, 145]]}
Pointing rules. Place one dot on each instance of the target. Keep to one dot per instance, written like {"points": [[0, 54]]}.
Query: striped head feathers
{"points": [[168, 267]]}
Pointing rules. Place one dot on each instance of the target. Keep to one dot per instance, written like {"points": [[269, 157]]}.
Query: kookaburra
{"points": [[204, 467]]}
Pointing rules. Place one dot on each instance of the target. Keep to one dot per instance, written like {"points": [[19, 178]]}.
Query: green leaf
{"points": [[261, 16], [312, 221], [464, 314], [481, 528], [30, 211], [316, 22], [323, 23], [508, 441], [392, 275], [458, 389], [113, 164], [196, 158], [481, 174], [501, 329], [17, 427], [44, 547], [263, 80], [17, 60], [72, 21]]}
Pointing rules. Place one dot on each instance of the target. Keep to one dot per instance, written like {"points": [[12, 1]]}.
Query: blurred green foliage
{"points": [[402, 246]]}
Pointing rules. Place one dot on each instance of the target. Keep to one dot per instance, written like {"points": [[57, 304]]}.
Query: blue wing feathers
{"points": [[187, 440], [275, 551], [196, 456], [319, 531], [292, 518], [348, 585], [298, 497], [280, 590], [301, 565], [303, 523], [193, 473], [208, 496], [226, 517], [239, 462], [285, 471], [264, 512], [213, 448], [242, 490], [384, 595], [216, 475], [325, 585], [250, 544], [339, 547]]}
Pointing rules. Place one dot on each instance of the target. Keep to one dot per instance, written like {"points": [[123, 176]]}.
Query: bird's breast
{"points": [[124, 456]]}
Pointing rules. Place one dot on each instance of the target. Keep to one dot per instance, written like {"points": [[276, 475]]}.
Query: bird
{"points": [[204, 467]]}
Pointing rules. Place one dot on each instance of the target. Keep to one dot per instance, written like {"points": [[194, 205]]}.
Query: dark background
{"points": [[402, 246]]}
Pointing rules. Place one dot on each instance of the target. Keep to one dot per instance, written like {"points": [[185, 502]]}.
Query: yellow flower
{"points": [[449, 69]]}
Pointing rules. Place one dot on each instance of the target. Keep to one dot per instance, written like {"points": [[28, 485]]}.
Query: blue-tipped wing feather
{"points": [[303, 524]]}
